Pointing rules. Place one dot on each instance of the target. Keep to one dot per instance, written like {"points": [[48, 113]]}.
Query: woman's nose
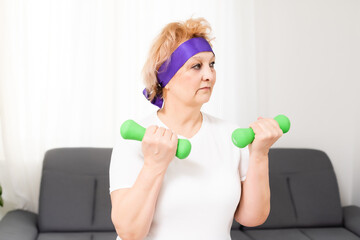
{"points": [[208, 73]]}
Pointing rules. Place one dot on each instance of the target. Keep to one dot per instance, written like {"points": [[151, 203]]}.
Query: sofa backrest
{"points": [[74, 192], [304, 190]]}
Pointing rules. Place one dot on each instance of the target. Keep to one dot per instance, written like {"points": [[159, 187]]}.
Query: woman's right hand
{"points": [[159, 147]]}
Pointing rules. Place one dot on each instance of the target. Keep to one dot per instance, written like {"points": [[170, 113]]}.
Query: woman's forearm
{"points": [[133, 214], [254, 206]]}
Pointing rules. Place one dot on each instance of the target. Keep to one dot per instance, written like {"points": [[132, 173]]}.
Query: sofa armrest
{"points": [[352, 219], [19, 225]]}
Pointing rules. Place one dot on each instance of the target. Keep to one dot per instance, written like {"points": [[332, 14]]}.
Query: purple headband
{"points": [[177, 59]]}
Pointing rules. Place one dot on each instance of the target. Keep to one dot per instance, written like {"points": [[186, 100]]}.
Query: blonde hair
{"points": [[171, 37]]}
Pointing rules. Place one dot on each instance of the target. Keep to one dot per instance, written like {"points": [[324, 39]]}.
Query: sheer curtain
{"points": [[70, 75]]}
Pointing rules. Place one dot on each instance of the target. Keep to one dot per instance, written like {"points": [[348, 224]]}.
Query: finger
{"points": [[152, 129], [174, 136], [256, 127], [271, 127], [160, 132], [167, 134], [164, 132], [273, 122], [277, 126], [264, 127]]}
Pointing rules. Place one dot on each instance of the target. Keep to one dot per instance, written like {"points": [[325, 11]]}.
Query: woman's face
{"points": [[188, 83]]}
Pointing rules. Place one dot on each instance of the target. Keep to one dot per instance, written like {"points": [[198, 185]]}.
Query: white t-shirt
{"points": [[199, 194]]}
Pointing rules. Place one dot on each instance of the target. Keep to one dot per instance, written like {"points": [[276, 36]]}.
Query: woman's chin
{"points": [[205, 99]]}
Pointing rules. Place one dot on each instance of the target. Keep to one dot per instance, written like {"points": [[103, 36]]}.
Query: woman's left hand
{"points": [[267, 132]]}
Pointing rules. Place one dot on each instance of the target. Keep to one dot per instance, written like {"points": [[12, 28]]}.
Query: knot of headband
{"points": [[177, 59]]}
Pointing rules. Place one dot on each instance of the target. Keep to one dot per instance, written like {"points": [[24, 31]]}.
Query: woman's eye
{"points": [[197, 66]]}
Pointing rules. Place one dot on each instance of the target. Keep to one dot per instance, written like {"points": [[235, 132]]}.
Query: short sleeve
{"points": [[244, 162], [125, 164]]}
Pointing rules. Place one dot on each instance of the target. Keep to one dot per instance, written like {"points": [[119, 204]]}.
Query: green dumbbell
{"points": [[242, 137], [132, 130]]}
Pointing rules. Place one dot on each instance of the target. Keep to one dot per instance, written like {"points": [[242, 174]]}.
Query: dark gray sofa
{"points": [[74, 201], [75, 204], [305, 200]]}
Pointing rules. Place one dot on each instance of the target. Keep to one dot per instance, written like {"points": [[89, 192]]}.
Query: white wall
{"points": [[308, 60], [356, 170]]}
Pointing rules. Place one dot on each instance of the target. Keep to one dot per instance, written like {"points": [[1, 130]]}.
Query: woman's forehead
{"points": [[204, 55]]}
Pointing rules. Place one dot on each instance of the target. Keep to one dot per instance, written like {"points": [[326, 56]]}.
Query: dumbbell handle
{"points": [[242, 137], [132, 130]]}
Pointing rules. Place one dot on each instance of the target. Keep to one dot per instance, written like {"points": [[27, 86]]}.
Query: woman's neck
{"points": [[185, 122]]}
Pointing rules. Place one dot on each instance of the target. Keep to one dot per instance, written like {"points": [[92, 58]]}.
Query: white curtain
{"points": [[70, 75]]}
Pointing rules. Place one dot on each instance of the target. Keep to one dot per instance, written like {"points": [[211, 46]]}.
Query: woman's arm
{"points": [[254, 206], [133, 208]]}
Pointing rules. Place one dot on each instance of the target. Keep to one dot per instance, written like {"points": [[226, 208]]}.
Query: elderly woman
{"points": [[158, 196]]}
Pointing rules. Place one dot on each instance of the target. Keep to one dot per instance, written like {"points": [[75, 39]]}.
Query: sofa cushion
{"points": [[282, 211], [304, 190], [74, 192], [18, 225], [329, 234], [235, 225], [78, 236], [278, 234], [68, 202], [302, 234], [65, 236], [102, 206], [238, 235], [316, 199]]}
